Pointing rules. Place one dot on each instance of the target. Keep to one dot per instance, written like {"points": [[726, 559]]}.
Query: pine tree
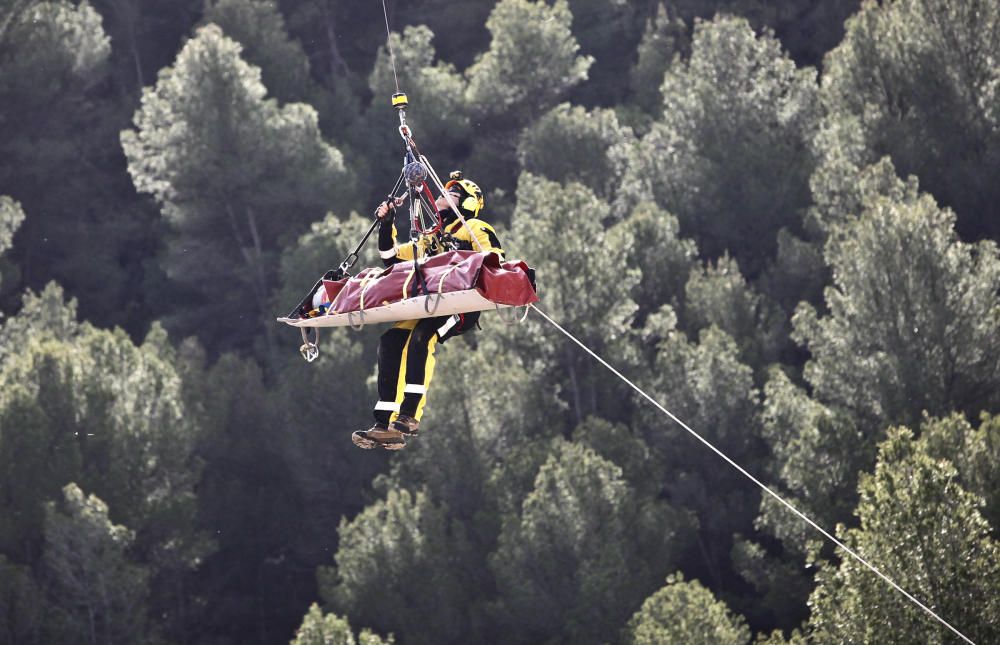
{"points": [[438, 116], [577, 293], [573, 144], [923, 530], [11, 216], [708, 388], [649, 237], [96, 593], [329, 629], [402, 552], [62, 162], [730, 155], [719, 295], [920, 78], [582, 552], [685, 612], [531, 63], [665, 37], [913, 316], [233, 174], [260, 28], [92, 407]]}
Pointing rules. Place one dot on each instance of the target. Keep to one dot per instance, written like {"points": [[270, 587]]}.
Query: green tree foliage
{"points": [[61, 161], [112, 413], [479, 451], [435, 89], [96, 593], [582, 553], [641, 467], [323, 246], [48, 311], [439, 115], [730, 156], [145, 35], [650, 239], [685, 612], [577, 293], [605, 29], [798, 273], [85, 405], [59, 35], [922, 529], [664, 38], [260, 28], [530, 66], [251, 498], [323, 402], [11, 216], [21, 604], [807, 30], [975, 452], [473, 429], [231, 171], [817, 452], [531, 63], [913, 316], [542, 501], [708, 388], [920, 77], [841, 185], [719, 295], [330, 629], [399, 568], [573, 144]]}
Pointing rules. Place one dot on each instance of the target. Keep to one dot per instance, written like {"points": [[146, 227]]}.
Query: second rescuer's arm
{"points": [[387, 249]]}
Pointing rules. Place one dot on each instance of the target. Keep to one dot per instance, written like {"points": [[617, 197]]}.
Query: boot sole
{"points": [[369, 444]]}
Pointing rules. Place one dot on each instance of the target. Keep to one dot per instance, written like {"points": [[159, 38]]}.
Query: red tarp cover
{"points": [[504, 283]]}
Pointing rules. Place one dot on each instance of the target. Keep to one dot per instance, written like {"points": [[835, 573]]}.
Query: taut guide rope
{"points": [[762, 486]]}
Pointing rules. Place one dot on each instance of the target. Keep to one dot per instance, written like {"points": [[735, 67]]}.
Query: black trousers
{"points": [[406, 363]]}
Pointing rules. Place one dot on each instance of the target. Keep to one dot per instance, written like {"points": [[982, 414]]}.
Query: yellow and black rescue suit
{"points": [[406, 351]]}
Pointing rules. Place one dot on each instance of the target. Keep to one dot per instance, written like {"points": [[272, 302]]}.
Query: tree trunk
{"points": [[253, 258], [261, 289], [338, 66]]}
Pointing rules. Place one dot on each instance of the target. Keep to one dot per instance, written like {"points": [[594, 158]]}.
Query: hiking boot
{"points": [[405, 425], [378, 436]]}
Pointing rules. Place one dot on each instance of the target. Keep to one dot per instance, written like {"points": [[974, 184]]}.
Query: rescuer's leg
{"points": [[390, 355], [418, 370]]}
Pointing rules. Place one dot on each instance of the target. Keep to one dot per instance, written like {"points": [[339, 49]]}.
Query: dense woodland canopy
{"points": [[779, 218]]}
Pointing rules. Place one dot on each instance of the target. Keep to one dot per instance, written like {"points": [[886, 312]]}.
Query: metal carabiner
{"points": [[309, 348]]}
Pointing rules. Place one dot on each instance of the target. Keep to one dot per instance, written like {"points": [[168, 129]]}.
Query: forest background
{"points": [[780, 218]]}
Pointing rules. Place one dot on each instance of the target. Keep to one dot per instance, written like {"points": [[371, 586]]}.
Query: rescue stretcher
{"points": [[449, 283]]}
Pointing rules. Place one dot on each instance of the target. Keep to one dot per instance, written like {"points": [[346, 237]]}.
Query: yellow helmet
{"points": [[473, 201]]}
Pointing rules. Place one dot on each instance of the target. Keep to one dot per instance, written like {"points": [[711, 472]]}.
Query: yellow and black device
{"points": [[399, 101]]}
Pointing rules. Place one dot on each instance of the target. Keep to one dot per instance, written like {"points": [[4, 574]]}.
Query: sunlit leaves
{"points": [[924, 531], [685, 612], [730, 154], [914, 316], [531, 62]]}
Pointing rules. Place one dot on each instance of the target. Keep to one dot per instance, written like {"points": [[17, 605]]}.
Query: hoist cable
{"points": [[746, 474], [388, 42]]}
